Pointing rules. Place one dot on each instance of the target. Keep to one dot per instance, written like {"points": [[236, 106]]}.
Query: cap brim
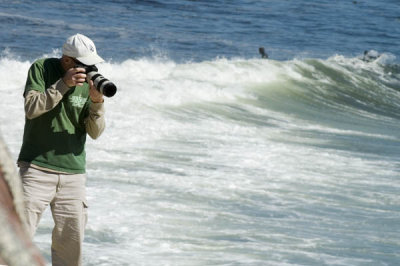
{"points": [[90, 60]]}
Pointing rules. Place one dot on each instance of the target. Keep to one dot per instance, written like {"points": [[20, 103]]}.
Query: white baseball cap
{"points": [[82, 48]]}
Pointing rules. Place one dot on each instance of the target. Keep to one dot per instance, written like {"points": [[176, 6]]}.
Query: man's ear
{"points": [[67, 62], [66, 59]]}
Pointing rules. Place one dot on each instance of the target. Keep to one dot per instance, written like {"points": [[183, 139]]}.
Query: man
{"points": [[60, 108], [264, 55]]}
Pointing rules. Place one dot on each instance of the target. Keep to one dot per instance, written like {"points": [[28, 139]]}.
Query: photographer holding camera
{"points": [[61, 107]]}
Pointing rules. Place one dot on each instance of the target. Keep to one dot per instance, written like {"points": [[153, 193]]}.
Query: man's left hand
{"points": [[95, 95]]}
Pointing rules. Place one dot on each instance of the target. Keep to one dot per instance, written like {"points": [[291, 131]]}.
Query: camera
{"points": [[103, 85]]}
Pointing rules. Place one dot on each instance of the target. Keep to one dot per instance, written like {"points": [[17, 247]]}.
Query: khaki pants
{"points": [[67, 198]]}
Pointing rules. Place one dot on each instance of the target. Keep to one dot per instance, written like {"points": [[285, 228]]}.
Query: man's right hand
{"points": [[75, 77]]}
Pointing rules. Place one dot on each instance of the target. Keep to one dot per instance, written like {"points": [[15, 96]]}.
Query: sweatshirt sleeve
{"points": [[38, 103], [95, 122]]}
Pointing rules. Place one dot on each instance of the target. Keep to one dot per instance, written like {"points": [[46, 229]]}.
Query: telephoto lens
{"points": [[103, 85]]}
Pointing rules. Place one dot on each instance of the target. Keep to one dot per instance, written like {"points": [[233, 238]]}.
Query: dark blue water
{"points": [[203, 30]]}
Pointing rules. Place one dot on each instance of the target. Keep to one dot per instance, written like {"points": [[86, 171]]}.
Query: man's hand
{"points": [[74, 77], [95, 95]]}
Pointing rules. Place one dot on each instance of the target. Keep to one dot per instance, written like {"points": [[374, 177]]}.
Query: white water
{"points": [[193, 168]]}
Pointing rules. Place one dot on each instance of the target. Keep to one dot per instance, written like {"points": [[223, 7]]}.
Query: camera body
{"points": [[103, 85]]}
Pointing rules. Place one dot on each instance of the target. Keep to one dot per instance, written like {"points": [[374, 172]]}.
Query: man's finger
{"points": [[80, 70]]}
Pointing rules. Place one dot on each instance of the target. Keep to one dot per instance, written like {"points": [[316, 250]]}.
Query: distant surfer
{"points": [[263, 53], [370, 55]]}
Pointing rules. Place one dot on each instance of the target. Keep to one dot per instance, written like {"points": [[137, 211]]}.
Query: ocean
{"points": [[215, 156]]}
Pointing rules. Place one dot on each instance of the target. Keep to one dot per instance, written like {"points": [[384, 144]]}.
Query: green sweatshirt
{"points": [[54, 138]]}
